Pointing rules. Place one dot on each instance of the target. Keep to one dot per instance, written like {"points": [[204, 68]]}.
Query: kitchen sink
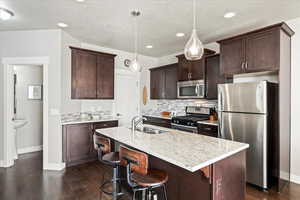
{"points": [[149, 130]]}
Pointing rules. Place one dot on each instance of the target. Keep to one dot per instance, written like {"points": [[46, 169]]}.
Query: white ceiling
{"points": [[108, 22]]}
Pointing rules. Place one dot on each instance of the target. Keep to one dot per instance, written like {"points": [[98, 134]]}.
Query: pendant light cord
{"points": [[194, 13], [135, 37]]}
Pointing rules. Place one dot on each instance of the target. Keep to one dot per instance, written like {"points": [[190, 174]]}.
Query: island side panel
{"points": [[229, 178], [182, 184]]}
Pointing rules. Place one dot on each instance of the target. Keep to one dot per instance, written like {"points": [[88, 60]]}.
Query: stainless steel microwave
{"points": [[191, 89]]}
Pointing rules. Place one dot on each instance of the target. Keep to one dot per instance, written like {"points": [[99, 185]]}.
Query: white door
{"points": [[127, 97]]}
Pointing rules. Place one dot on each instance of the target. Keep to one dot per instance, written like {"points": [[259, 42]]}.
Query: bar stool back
{"points": [[139, 177]]}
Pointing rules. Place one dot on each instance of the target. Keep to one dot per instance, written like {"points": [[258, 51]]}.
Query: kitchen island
{"points": [[199, 167]]}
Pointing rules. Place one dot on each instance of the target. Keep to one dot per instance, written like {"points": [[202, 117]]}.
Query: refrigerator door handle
{"points": [[220, 97], [220, 134]]}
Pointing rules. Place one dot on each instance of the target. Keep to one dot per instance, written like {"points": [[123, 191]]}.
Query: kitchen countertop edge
{"points": [[86, 121]]}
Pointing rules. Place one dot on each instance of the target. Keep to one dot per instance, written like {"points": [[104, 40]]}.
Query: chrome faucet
{"points": [[136, 121]]}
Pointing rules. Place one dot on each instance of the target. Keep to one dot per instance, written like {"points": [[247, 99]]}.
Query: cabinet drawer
{"points": [[208, 130], [158, 121], [106, 124]]}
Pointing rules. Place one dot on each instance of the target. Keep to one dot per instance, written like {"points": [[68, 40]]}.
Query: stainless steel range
{"points": [[189, 121]]}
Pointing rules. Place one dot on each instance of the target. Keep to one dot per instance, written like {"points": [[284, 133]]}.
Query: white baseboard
{"points": [[30, 149], [290, 177], [6, 164], [54, 166], [295, 178], [284, 176]]}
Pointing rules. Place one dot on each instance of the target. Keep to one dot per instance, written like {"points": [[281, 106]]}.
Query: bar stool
{"points": [[139, 177], [105, 156]]}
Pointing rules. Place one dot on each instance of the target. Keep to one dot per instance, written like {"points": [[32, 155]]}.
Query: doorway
{"points": [[33, 92], [127, 96], [28, 108]]}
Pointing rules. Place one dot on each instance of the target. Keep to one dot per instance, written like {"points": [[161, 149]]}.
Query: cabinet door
{"points": [[79, 142], [213, 76], [184, 69], [171, 81], [197, 70], [84, 75], [208, 130], [232, 56], [157, 79], [105, 77], [262, 51]]}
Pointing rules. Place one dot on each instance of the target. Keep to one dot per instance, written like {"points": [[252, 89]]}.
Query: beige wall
{"points": [[38, 43], [67, 104]]}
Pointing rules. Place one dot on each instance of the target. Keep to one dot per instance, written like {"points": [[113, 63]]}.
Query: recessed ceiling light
{"points": [[80, 1], [179, 34], [5, 14], [229, 15], [149, 46], [62, 25]]}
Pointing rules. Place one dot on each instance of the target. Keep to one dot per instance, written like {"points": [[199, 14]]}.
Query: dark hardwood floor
{"points": [[27, 181]]}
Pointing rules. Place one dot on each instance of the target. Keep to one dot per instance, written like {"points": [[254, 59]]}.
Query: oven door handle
{"points": [[197, 90]]}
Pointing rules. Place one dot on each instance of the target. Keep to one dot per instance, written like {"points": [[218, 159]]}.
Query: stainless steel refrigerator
{"points": [[244, 117]]}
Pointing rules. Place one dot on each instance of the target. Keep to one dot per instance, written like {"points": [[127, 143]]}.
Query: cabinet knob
{"points": [[243, 66]]}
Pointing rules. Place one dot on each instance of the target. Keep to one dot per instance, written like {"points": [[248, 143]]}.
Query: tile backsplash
{"points": [[103, 108], [178, 106]]}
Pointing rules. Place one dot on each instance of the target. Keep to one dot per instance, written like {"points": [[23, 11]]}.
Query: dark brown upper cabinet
{"points": [[192, 70], [256, 51], [213, 76], [92, 74], [232, 56], [163, 82]]}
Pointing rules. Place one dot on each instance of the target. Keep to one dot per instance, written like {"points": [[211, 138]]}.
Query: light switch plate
{"points": [[54, 111]]}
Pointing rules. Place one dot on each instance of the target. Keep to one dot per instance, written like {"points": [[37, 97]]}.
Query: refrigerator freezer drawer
{"points": [[251, 129], [243, 97]]}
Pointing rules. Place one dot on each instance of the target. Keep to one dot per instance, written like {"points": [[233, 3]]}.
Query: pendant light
{"points": [[194, 48], [134, 64]]}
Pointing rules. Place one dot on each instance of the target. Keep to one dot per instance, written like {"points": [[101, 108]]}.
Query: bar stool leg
{"points": [[165, 192], [133, 197], [115, 187]]}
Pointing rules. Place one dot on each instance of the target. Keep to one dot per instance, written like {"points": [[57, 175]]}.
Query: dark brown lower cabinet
{"points": [[156, 121], [208, 130], [78, 145]]}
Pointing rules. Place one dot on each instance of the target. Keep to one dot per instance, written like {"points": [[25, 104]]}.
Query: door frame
{"points": [[8, 63], [137, 76]]}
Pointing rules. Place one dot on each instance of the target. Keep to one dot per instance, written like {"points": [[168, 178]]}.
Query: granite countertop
{"points": [[81, 120], [189, 151], [209, 122], [157, 116]]}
